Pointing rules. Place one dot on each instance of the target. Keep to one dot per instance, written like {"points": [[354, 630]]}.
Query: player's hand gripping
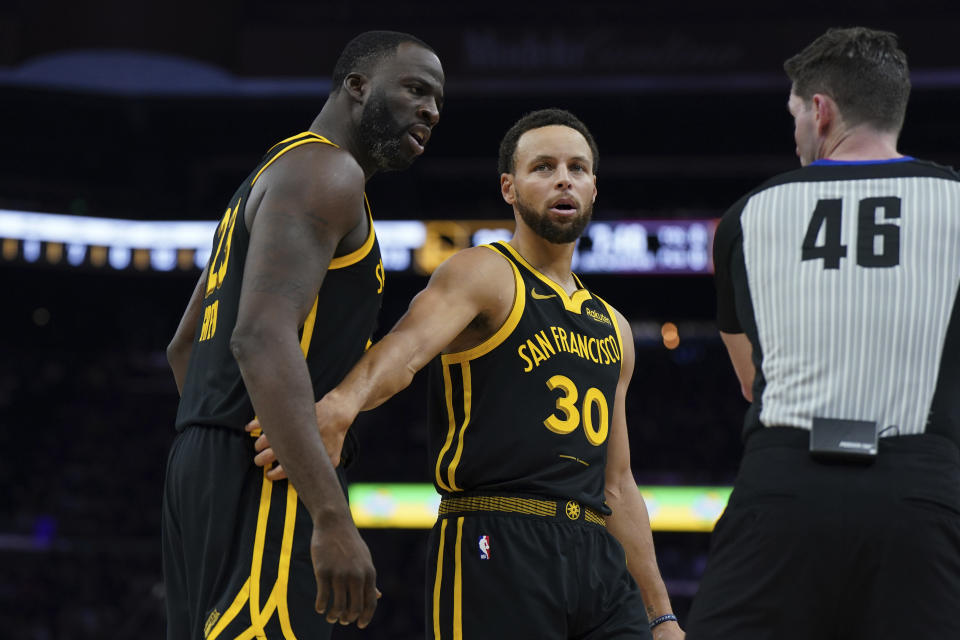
{"points": [[346, 579], [332, 423]]}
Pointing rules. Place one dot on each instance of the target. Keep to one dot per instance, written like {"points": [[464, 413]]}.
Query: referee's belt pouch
{"points": [[843, 440]]}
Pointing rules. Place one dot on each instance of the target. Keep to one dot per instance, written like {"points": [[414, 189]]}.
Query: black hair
{"points": [[368, 50], [535, 120]]}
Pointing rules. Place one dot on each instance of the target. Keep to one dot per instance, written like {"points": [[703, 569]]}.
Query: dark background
{"points": [[157, 110]]}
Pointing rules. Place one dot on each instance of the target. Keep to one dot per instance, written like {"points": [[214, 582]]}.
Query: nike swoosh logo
{"points": [[537, 296]]}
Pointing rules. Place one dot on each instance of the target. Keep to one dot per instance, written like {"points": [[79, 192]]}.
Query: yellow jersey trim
{"points": [[570, 303], [231, 612], [488, 345], [437, 582], [286, 553], [616, 327], [306, 138], [448, 394], [356, 256], [305, 134], [266, 489], [467, 398], [458, 585]]}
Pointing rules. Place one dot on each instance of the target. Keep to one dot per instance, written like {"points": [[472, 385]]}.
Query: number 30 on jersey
{"points": [[567, 404]]}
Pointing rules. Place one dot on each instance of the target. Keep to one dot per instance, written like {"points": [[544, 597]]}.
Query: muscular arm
{"points": [[180, 347], [312, 199], [475, 282], [741, 355], [629, 522]]}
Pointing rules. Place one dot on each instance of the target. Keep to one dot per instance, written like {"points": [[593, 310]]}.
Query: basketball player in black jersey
{"points": [[542, 532], [282, 311]]}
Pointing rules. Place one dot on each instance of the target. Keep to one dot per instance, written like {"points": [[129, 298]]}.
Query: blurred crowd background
{"points": [[155, 110]]}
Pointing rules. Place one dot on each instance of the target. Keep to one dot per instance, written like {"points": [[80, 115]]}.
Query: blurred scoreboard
{"points": [[413, 246]]}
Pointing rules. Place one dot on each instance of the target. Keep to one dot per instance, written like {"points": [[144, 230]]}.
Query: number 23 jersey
{"points": [[528, 411]]}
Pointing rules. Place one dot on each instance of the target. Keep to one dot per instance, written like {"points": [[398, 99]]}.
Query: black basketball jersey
{"points": [[527, 412], [333, 336], [845, 276]]}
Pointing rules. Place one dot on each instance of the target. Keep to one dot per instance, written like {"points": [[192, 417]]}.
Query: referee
{"points": [[838, 302]]}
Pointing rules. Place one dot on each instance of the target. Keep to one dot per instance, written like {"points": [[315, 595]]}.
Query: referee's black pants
{"points": [[810, 549]]}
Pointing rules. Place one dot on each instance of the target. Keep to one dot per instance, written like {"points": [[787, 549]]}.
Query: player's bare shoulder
{"points": [[485, 280], [319, 180], [486, 275]]}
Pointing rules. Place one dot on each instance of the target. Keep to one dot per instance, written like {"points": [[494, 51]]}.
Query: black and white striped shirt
{"points": [[845, 278]]}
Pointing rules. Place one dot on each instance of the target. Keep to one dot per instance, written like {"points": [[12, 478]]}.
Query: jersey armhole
{"points": [[616, 327], [513, 319]]}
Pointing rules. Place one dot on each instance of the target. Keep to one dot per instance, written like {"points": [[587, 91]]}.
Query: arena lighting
{"points": [[608, 246], [414, 506]]}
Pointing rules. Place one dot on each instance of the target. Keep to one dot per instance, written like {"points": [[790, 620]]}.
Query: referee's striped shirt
{"points": [[845, 278]]}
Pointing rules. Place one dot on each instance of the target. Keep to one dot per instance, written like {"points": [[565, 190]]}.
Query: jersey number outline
{"points": [[224, 236], [828, 215], [567, 403]]}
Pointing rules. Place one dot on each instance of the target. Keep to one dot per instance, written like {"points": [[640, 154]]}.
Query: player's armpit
{"points": [[741, 355]]}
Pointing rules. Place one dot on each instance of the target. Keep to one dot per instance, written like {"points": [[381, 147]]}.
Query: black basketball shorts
{"points": [[502, 576], [236, 547]]}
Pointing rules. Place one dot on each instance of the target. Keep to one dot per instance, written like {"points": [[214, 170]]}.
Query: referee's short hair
{"points": [[366, 51], [535, 120], [863, 70]]}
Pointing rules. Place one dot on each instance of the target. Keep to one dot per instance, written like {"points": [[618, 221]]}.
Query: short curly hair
{"points": [[535, 120], [368, 50]]}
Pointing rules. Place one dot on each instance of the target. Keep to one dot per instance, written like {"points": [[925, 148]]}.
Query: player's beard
{"points": [[550, 230], [381, 134]]}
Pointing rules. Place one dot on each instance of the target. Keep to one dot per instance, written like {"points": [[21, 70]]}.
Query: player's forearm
{"points": [[630, 524], [181, 346], [278, 382], [386, 369], [178, 356]]}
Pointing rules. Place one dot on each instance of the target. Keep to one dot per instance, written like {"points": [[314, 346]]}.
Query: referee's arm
{"points": [[741, 355], [725, 243], [629, 523]]}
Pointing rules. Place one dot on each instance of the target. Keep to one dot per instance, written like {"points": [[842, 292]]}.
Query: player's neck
{"points": [[334, 124], [552, 260], [861, 143]]}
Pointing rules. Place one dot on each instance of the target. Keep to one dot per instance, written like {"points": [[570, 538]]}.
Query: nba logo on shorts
{"points": [[484, 547]]}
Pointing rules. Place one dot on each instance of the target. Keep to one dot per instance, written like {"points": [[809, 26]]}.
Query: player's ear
{"points": [[506, 188], [357, 86], [594, 199], [824, 112]]}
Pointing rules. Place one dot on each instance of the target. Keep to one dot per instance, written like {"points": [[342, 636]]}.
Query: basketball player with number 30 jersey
{"points": [[542, 532]]}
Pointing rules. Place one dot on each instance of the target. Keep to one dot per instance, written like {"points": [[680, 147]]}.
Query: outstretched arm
{"points": [[475, 282], [629, 522]]}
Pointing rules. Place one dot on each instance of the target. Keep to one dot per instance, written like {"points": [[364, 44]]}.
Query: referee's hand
{"points": [[346, 579]]}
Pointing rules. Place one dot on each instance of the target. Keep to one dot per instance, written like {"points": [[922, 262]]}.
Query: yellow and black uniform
{"points": [[518, 438], [236, 546]]}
